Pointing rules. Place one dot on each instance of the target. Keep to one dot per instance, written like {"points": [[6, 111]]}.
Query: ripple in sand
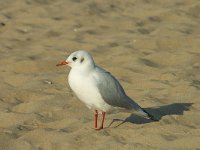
{"points": [[195, 83], [169, 137], [143, 31], [149, 63], [194, 11], [155, 19], [52, 33]]}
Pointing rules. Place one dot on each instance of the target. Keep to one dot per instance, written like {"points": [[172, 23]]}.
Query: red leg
{"points": [[103, 118], [96, 118]]}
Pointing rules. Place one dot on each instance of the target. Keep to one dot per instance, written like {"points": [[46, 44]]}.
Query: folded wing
{"points": [[112, 92]]}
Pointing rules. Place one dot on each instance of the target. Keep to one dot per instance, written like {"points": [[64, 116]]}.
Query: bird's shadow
{"points": [[157, 112]]}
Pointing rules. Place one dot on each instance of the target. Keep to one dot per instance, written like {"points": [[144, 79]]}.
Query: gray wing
{"points": [[112, 92]]}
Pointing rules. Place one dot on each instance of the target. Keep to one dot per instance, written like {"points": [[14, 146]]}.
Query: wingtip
{"points": [[153, 118], [150, 116]]}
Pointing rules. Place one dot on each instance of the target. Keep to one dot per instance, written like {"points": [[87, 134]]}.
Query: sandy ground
{"points": [[151, 46]]}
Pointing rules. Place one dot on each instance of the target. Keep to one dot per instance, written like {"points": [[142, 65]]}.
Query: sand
{"points": [[151, 46]]}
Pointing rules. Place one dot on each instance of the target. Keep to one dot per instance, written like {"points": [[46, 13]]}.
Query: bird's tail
{"points": [[149, 116], [143, 113], [140, 111]]}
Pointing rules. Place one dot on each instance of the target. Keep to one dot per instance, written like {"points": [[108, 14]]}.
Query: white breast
{"points": [[86, 90]]}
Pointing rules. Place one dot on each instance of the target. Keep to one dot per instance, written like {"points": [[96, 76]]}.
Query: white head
{"points": [[81, 60]]}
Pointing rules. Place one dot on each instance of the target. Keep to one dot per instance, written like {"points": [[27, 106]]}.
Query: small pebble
{"points": [[48, 82]]}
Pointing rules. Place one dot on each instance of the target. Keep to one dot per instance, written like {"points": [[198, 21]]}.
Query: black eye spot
{"points": [[74, 58]]}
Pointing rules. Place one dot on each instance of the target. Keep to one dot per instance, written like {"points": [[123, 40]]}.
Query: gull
{"points": [[98, 89]]}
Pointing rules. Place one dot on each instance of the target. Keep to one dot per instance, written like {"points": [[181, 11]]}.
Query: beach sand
{"points": [[151, 46]]}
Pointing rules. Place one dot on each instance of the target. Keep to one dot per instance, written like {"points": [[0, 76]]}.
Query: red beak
{"points": [[62, 63]]}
